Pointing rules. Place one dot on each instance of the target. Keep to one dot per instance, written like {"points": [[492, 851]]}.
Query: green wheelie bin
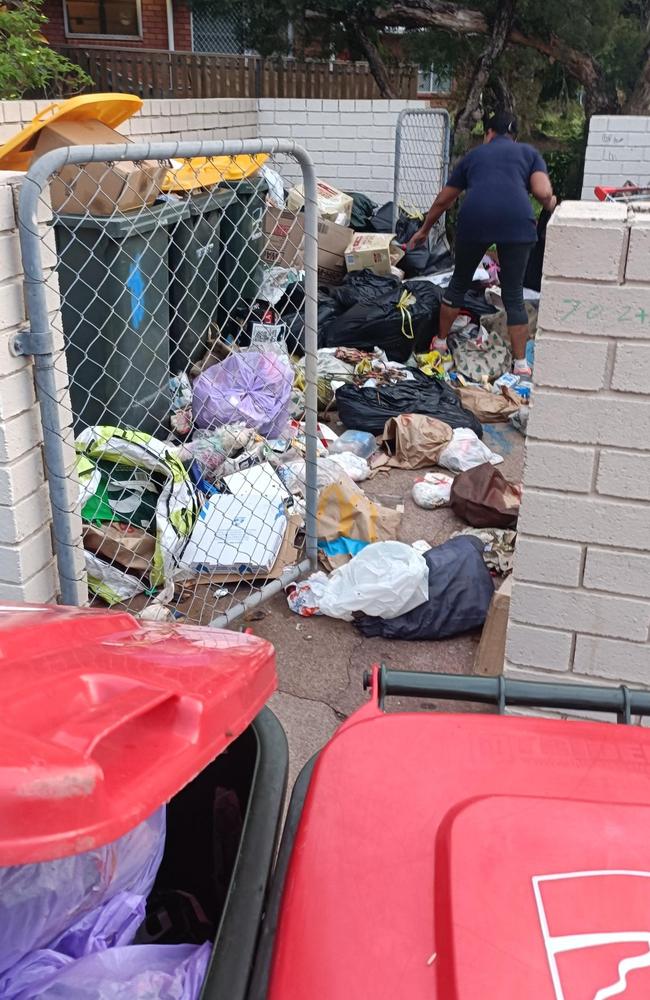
{"points": [[242, 245], [114, 285]]}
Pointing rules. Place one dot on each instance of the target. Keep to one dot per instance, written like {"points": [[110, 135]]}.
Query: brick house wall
{"points": [[154, 27], [580, 606]]}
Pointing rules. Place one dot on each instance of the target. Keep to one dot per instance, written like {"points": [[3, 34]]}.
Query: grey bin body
{"points": [[114, 284], [242, 245], [195, 280]]}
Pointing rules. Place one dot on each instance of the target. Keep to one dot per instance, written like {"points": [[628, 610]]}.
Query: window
{"points": [[115, 18], [430, 82]]}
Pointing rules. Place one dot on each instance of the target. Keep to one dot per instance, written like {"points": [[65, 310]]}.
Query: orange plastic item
{"points": [[111, 109]]}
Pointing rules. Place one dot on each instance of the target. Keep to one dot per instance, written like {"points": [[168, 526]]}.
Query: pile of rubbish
{"points": [[219, 498]]}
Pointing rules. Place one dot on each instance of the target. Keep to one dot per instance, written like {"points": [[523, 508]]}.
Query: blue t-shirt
{"points": [[496, 177]]}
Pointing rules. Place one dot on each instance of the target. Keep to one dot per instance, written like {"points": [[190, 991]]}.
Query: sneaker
{"points": [[445, 357], [522, 369]]}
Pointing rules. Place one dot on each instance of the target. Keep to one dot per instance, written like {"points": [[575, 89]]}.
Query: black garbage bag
{"points": [[367, 409], [399, 317], [290, 309], [533, 276], [460, 591], [363, 209], [421, 260]]}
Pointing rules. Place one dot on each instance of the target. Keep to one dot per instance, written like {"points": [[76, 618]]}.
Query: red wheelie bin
{"points": [[111, 731], [467, 856]]}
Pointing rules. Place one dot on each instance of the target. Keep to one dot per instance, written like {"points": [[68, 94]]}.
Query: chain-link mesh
{"points": [[421, 159], [176, 377], [220, 30]]}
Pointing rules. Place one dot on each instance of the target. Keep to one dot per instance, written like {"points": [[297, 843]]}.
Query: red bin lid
{"points": [[104, 718], [470, 857]]}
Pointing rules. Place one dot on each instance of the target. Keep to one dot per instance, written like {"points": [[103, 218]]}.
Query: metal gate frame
{"points": [[401, 168], [38, 340]]}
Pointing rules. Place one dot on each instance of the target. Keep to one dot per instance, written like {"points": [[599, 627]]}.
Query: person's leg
{"points": [[468, 256], [513, 258]]}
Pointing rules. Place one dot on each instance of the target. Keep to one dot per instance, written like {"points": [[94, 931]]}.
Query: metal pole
{"points": [[41, 344]]}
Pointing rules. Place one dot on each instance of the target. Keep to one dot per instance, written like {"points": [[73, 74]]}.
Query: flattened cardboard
{"points": [[491, 652], [98, 188]]}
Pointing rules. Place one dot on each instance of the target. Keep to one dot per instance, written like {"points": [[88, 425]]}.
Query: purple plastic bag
{"points": [[144, 971], [251, 387], [82, 903]]}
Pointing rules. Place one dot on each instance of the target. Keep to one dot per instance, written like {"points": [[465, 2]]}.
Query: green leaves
{"points": [[27, 63]]}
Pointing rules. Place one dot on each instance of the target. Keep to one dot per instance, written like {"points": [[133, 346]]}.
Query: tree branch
{"points": [[375, 61], [639, 100], [470, 113], [601, 97]]}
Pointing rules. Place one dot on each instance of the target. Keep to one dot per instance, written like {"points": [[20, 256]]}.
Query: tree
{"points": [[27, 63]]}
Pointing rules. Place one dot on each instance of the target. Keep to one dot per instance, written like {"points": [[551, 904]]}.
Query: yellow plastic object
{"points": [[111, 109], [204, 172]]}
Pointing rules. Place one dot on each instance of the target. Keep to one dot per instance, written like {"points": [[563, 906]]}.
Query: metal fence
{"points": [[422, 144], [173, 327]]}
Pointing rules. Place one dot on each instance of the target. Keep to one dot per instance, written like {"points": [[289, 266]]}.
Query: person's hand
{"points": [[552, 204], [417, 238]]}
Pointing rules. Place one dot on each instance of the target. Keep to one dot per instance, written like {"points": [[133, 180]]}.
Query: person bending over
{"points": [[497, 177]]}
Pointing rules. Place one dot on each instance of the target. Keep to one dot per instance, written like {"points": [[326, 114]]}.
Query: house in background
{"points": [[145, 24]]}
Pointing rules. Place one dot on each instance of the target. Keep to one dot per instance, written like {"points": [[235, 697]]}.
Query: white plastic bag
{"points": [[356, 467], [465, 450], [433, 490], [386, 579]]}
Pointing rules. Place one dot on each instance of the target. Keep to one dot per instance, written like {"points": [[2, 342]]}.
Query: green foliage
{"points": [[27, 63]]}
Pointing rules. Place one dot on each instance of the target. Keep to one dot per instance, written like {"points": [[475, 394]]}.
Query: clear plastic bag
{"points": [[465, 451], [356, 467], [385, 579], [62, 903]]}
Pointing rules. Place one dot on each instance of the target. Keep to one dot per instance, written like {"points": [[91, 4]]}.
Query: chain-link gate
{"points": [[173, 327], [422, 144]]}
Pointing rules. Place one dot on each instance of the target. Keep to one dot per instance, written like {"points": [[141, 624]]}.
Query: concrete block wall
{"points": [[580, 605], [27, 570], [618, 150], [351, 142], [159, 120]]}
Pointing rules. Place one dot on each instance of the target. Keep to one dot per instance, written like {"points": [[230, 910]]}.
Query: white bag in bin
{"points": [[466, 450], [64, 904], [386, 579]]}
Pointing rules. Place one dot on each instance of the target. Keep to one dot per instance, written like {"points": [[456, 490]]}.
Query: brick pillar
{"points": [[581, 593]]}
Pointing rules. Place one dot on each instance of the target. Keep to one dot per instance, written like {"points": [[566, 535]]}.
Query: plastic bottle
{"points": [[360, 443]]}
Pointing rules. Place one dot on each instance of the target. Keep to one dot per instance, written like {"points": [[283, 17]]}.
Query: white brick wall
{"points": [[351, 142], [618, 150], [581, 589], [26, 561]]}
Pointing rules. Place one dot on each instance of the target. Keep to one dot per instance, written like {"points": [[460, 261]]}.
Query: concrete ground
{"points": [[321, 660]]}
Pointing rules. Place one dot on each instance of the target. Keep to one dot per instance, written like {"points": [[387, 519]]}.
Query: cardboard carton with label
{"points": [[285, 233]]}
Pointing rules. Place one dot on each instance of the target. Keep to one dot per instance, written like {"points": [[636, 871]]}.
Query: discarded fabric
{"points": [[459, 592]]}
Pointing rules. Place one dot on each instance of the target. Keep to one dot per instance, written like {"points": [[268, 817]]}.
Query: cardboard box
{"points": [[285, 233], [376, 251], [491, 652], [98, 188], [333, 205]]}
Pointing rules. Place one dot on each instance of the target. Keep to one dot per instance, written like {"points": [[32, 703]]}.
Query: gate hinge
{"points": [[28, 342]]}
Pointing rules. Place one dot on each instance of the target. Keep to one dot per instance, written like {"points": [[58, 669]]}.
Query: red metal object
{"points": [[627, 193], [104, 718], [466, 856]]}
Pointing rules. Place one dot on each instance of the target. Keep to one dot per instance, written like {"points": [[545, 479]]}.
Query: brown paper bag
{"points": [[485, 499], [414, 441], [345, 511], [488, 406], [130, 547]]}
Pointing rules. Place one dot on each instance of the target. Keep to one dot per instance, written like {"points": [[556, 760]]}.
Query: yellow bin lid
{"points": [[204, 172], [111, 109]]}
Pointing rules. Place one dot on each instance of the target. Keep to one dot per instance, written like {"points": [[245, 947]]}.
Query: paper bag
{"points": [[414, 441], [345, 512], [130, 547], [488, 406], [485, 499]]}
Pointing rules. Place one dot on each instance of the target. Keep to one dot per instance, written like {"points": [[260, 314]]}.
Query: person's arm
{"points": [[442, 204], [542, 190]]}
